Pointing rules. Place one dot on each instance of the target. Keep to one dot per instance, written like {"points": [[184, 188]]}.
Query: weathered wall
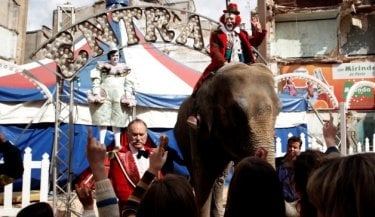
{"points": [[308, 3], [343, 32], [34, 40], [13, 23], [358, 35], [81, 13], [308, 38], [8, 10], [8, 44]]}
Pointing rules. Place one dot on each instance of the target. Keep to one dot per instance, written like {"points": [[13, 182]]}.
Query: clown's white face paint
{"points": [[230, 21]]}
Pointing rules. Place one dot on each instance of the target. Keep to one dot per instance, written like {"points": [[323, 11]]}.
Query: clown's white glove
{"points": [[128, 99]]}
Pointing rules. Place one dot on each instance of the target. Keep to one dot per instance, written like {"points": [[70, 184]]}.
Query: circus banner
{"points": [[339, 78]]}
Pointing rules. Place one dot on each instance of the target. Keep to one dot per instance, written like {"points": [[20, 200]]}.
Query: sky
{"points": [[40, 11]]}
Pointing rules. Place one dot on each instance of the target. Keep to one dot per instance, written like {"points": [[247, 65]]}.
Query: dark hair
{"points": [[39, 209], [109, 54], [171, 196], [255, 189], [305, 163], [295, 139], [344, 186]]}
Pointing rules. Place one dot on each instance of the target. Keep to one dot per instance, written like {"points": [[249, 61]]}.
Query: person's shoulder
{"points": [[6, 145], [279, 161], [217, 31], [101, 63], [243, 32], [122, 67]]}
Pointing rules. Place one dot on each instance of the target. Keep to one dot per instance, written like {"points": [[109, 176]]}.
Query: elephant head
{"points": [[238, 109]]}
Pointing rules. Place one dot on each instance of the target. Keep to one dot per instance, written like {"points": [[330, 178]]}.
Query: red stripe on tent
{"points": [[187, 75], [18, 80], [85, 46]]}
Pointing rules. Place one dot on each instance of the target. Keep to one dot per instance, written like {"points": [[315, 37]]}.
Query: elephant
{"points": [[238, 107]]}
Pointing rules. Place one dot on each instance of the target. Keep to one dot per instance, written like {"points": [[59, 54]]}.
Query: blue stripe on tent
{"points": [[22, 94], [159, 101]]}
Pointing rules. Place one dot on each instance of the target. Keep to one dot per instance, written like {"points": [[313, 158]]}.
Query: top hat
{"points": [[232, 8]]}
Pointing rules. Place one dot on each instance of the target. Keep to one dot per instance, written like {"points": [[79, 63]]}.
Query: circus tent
{"points": [[162, 82]]}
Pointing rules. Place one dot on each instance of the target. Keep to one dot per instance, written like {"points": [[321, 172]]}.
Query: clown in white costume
{"points": [[112, 97]]}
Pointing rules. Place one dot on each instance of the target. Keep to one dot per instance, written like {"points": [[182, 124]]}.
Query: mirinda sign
{"points": [[339, 78]]}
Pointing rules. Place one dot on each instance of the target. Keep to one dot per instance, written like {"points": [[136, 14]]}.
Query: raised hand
{"points": [[96, 154], [329, 132], [85, 196], [158, 156], [255, 24]]}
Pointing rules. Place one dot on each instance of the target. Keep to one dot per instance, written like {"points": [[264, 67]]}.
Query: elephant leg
{"points": [[203, 181], [217, 202], [206, 208], [209, 187], [203, 190], [200, 176]]}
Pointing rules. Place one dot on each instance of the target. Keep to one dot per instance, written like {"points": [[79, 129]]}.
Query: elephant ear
{"points": [[218, 100], [204, 104]]}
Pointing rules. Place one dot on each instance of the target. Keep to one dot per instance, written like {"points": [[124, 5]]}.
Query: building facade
{"points": [[13, 22], [331, 41]]}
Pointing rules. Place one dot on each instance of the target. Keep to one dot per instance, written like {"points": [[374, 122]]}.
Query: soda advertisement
{"points": [[339, 78]]}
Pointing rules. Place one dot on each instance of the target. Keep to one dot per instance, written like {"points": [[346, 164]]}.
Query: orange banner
{"points": [[339, 78]]}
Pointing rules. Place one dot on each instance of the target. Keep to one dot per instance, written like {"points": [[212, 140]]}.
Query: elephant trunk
{"points": [[262, 138]]}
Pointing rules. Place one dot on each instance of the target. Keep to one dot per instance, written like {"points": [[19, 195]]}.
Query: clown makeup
{"points": [[230, 21]]}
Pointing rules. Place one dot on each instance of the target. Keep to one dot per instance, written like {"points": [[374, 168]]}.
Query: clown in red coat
{"points": [[229, 43]]}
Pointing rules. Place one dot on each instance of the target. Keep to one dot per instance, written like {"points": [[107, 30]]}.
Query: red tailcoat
{"points": [[122, 187], [125, 178], [218, 44]]}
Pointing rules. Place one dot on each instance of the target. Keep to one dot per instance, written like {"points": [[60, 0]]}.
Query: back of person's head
{"points": [[305, 163], [254, 190], [344, 187], [171, 196], [40, 209]]}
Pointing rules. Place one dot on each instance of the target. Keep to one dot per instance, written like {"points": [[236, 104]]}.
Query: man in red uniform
{"points": [[229, 43], [127, 167]]}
